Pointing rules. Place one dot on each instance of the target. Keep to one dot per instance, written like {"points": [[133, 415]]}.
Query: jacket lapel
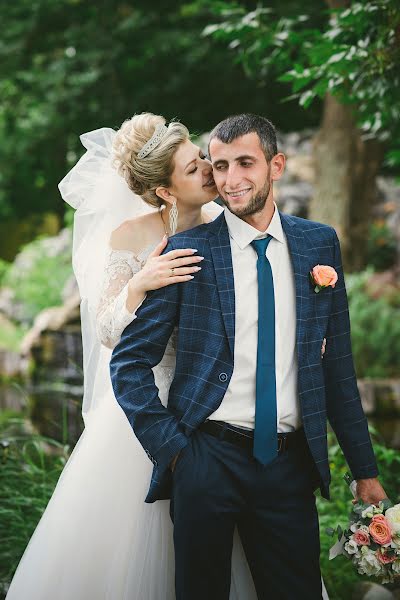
{"points": [[222, 258], [300, 259]]}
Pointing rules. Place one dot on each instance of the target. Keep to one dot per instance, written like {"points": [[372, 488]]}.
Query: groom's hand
{"points": [[369, 491]]}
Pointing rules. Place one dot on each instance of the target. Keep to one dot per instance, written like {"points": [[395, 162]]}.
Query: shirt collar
{"points": [[244, 234]]}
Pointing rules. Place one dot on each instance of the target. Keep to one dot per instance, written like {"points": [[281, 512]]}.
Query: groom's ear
{"points": [[277, 166]]}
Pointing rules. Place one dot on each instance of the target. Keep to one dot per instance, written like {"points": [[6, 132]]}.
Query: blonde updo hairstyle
{"points": [[145, 175]]}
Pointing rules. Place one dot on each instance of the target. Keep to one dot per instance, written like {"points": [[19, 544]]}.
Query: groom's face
{"points": [[242, 174]]}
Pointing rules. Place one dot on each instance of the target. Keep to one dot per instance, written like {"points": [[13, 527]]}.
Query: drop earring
{"points": [[173, 218]]}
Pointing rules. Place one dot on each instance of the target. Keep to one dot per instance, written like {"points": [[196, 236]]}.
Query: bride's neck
{"points": [[187, 219]]}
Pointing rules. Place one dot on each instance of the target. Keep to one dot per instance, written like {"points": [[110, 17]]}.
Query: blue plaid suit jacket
{"points": [[203, 309]]}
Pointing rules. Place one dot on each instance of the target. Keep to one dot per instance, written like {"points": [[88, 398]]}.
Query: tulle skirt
{"points": [[97, 537]]}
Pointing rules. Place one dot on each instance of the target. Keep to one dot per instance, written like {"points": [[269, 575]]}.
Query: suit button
{"points": [[223, 377]]}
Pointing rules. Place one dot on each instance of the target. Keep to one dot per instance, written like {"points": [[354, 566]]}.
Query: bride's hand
{"points": [[323, 347], [172, 267]]}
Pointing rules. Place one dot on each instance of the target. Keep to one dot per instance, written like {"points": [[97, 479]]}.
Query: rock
{"points": [[70, 288], [301, 167], [51, 319], [294, 198], [11, 363], [385, 284], [296, 142], [367, 394], [9, 306], [367, 590], [55, 246], [389, 189], [380, 397]]}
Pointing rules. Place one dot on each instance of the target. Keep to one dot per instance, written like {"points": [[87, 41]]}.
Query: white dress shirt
{"points": [[238, 404]]}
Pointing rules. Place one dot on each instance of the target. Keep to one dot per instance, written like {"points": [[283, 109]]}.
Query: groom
{"points": [[243, 439]]}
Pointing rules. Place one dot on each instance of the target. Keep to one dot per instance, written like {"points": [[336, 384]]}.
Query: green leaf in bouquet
{"points": [[353, 515], [339, 532], [373, 545], [363, 506], [386, 503], [330, 531], [358, 508]]}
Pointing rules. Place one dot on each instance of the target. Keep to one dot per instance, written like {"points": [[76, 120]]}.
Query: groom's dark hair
{"points": [[237, 125]]}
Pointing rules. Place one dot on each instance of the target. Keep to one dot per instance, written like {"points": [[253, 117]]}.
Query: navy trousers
{"points": [[217, 485]]}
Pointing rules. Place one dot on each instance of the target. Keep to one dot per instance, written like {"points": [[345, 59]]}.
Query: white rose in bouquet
{"points": [[368, 512], [393, 518], [369, 564], [351, 547]]}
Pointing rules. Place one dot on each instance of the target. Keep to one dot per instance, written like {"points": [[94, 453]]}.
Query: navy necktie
{"points": [[265, 432]]}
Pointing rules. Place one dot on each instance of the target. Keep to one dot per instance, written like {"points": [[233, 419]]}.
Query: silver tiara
{"points": [[153, 142]]}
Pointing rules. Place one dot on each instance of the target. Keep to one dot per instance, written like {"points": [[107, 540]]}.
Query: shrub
{"points": [[382, 247], [28, 476], [375, 329], [38, 275], [4, 266]]}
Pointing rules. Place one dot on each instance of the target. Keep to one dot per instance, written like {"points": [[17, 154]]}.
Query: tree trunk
{"points": [[345, 176], [345, 180]]}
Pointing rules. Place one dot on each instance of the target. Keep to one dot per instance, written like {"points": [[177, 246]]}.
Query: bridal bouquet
{"points": [[372, 539]]}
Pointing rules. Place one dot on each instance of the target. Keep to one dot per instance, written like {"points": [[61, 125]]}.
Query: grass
{"points": [[31, 465], [30, 468]]}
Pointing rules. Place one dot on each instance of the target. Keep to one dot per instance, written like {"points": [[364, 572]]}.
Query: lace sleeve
{"points": [[112, 314]]}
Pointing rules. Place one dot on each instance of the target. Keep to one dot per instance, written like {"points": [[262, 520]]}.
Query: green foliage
{"points": [[382, 247], [11, 335], [4, 266], [354, 56], [71, 66], [38, 276], [375, 329], [69, 217], [339, 574], [28, 475]]}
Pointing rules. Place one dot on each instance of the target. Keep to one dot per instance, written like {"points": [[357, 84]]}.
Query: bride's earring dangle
{"points": [[173, 218]]}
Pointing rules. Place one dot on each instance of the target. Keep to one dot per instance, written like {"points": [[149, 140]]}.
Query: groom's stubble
{"points": [[256, 203]]}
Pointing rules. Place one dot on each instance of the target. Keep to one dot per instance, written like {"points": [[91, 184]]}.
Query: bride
{"points": [[97, 537]]}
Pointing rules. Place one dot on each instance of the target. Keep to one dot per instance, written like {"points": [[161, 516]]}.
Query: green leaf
{"points": [[306, 98], [387, 503]]}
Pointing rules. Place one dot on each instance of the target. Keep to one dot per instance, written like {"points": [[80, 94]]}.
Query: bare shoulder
{"points": [[136, 234]]}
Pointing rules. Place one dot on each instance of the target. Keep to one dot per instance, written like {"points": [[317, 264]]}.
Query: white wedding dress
{"points": [[98, 539]]}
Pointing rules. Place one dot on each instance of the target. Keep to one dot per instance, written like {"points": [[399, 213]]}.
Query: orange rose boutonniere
{"points": [[323, 276]]}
